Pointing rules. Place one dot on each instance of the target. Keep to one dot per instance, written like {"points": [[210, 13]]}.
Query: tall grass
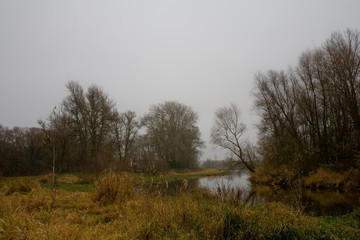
{"points": [[326, 178], [322, 178], [229, 194], [20, 185], [113, 187], [128, 214], [267, 175]]}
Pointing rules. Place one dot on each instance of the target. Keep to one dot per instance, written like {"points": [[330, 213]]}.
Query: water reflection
{"points": [[317, 203], [235, 181], [312, 202]]}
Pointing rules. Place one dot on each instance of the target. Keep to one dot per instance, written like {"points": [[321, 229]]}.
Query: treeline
{"points": [[310, 114], [22, 151], [87, 133], [309, 117]]}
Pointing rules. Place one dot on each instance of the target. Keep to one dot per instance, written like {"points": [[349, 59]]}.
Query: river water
{"points": [[317, 203]]}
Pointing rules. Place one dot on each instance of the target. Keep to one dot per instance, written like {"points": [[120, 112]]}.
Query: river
{"points": [[317, 203]]}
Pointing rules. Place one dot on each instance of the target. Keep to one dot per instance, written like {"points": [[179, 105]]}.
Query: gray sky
{"points": [[200, 53]]}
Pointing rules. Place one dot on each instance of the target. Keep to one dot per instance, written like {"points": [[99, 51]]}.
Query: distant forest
{"points": [[309, 117], [87, 134]]}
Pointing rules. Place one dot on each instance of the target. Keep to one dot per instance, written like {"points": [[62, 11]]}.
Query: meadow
{"points": [[115, 206]]}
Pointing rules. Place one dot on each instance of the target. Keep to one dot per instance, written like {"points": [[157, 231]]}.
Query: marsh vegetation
{"points": [[115, 209]]}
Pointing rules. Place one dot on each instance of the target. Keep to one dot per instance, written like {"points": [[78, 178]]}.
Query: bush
{"points": [[325, 178], [112, 187], [279, 176]]}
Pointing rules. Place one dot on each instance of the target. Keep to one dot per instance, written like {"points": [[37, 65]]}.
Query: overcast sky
{"points": [[200, 53]]}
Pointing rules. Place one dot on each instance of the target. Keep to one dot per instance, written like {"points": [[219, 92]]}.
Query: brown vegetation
{"points": [[279, 176], [19, 185], [323, 178], [112, 188], [191, 215]]}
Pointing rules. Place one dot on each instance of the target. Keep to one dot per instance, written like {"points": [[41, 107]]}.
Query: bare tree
{"points": [[125, 130], [91, 117], [227, 132], [311, 116], [76, 108], [100, 116]]}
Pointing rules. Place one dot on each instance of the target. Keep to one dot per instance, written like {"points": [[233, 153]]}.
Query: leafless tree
{"points": [[75, 107], [228, 131], [311, 115], [91, 117], [125, 129]]}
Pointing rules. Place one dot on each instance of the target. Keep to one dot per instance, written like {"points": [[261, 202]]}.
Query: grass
{"points": [[322, 178], [72, 187], [21, 185], [266, 175], [130, 214], [327, 179], [85, 182]]}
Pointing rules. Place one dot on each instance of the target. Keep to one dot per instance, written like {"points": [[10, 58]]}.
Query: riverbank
{"points": [[73, 182], [322, 178], [27, 213]]}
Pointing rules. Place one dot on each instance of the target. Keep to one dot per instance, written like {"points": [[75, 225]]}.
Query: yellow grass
{"points": [[325, 178], [192, 215], [267, 175]]}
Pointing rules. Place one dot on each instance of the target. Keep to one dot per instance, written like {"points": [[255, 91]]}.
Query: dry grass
{"points": [[113, 187], [21, 185], [325, 178], [192, 215], [229, 194], [280, 176]]}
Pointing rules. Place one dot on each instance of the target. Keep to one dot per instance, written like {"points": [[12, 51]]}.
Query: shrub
{"points": [[324, 178], [112, 187], [279, 176]]}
